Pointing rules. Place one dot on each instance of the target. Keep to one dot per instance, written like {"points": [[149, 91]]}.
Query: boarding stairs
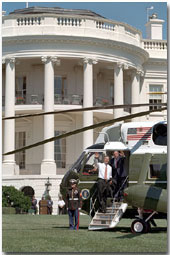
{"points": [[109, 219]]}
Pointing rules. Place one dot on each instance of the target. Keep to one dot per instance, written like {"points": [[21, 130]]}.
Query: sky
{"points": [[132, 13]]}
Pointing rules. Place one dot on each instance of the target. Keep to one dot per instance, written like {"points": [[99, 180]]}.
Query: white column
{"points": [[48, 166], [135, 91], [9, 166], [118, 89], [88, 101]]}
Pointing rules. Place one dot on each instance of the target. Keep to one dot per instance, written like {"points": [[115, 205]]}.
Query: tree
{"points": [[11, 197]]}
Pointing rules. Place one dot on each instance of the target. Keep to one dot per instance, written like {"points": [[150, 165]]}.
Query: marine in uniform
{"points": [[74, 204]]}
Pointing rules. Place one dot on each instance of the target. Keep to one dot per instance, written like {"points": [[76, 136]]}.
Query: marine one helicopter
{"points": [[145, 147]]}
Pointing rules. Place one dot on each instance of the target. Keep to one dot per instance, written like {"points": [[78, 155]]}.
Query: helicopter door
{"points": [[110, 147], [89, 164]]}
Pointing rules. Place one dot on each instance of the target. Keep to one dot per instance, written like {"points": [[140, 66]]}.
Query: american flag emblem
{"points": [[141, 133]]}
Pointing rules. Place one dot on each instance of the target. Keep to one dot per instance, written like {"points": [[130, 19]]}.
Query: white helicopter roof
{"points": [[116, 146], [131, 136]]}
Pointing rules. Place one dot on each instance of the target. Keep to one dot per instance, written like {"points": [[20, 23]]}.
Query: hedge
{"points": [[8, 210], [11, 197]]}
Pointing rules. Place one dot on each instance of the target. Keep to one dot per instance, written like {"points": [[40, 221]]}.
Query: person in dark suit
{"points": [[49, 205], [118, 173]]}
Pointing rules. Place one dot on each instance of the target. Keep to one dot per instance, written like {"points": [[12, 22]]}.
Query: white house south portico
{"points": [[56, 59]]}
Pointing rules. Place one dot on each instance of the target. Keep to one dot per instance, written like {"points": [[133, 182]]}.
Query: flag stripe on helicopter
{"points": [[142, 133]]}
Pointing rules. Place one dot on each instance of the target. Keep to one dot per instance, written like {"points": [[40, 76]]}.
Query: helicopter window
{"points": [[155, 170], [89, 163], [160, 134], [77, 165]]}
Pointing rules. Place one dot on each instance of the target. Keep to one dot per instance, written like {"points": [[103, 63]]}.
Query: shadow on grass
{"points": [[127, 230], [62, 227]]}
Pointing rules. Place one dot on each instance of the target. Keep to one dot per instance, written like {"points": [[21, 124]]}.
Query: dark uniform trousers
{"points": [[121, 185], [73, 214], [73, 202], [103, 191], [119, 175]]}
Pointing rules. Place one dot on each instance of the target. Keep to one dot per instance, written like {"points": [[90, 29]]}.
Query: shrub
{"points": [[11, 197]]}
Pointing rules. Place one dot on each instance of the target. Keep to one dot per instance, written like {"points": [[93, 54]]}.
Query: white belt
{"points": [[73, 199]]}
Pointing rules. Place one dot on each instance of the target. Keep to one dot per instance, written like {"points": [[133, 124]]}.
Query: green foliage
{"points": [[11, 197]]}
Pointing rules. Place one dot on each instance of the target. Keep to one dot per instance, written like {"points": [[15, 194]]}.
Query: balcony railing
{"points": [[154, 44], [30, 21], [70, 25], [29, 99], [102, 101], [68, 99], [58, 99]]}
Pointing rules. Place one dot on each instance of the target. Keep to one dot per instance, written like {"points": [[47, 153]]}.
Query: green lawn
{"points": [[46, 233]]}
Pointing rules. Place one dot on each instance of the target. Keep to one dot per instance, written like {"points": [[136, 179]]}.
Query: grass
{"points": [[48, 233]]}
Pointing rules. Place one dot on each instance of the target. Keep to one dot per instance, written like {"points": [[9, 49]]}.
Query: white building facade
{"points": [[58, 59]]}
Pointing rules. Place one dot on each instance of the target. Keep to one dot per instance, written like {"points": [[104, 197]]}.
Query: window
{"points": [[155, 170], [111, 95], [20, 86], [20, 90], [155, 96], [20, 141], [60, 86], [60, 150], [89, 163]]}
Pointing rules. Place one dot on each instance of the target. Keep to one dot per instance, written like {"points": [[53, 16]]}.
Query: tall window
{"points": [[60, 86], [155, 95], [20, 141], [20, 86], [111, 92], [60, 150]]}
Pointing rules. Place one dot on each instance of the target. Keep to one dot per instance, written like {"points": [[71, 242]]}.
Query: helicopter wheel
{"points": [[140, 226]]}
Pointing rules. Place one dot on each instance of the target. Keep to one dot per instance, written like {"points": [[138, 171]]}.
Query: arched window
{"points": [[28, 191]]}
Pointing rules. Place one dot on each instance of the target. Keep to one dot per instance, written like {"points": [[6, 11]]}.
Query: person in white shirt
{"points": [[104, 181], [61, 205]]}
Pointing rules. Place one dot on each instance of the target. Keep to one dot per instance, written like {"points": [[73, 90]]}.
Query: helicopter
{"points": [[137, 140], [145, 147]]}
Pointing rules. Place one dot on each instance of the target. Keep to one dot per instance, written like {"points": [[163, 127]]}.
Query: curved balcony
{"points": [[69, 25]]}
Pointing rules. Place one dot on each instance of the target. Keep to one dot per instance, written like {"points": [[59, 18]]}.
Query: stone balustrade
{"points": [[13, 25], [154, 44], [54, 24], [74, 22], [28, 21]]}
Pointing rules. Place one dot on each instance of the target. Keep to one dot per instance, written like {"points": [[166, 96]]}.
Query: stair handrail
{"points": [[92, 204], [119, 190]]}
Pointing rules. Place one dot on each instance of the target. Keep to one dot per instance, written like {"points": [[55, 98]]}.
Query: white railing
{"points": [[74, 22], [104, 25], [54, 20], [154, 45], [29, 21]]}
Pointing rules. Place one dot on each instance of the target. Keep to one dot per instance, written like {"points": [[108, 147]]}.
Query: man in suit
{"points": [[118, 173]]}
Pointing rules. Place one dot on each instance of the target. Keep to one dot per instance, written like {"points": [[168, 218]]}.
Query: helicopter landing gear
{"points": [[143, 225], [140, 226]]}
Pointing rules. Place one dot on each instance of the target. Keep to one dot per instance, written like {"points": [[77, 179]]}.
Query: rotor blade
{"points": [[82, 109], [84, 129]]}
